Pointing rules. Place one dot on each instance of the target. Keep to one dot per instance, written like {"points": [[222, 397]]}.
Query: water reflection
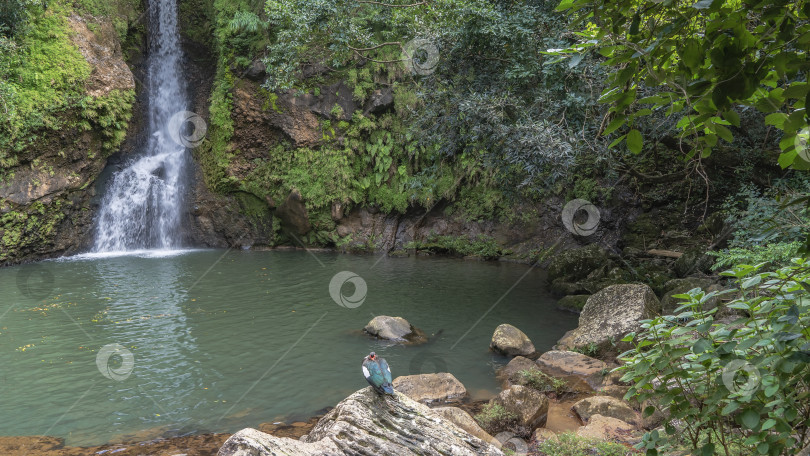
{"points": [[203, 355], [145, 314]]}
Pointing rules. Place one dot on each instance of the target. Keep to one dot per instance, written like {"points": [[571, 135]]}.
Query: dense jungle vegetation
{"points": [[518, 102]]}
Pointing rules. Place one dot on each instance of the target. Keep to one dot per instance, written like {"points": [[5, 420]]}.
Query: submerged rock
{"points": [[542, 434], [440, 387], [394, 328], [511, 373], [366, 423], [610, 314], [510, 341], [573, 303]]}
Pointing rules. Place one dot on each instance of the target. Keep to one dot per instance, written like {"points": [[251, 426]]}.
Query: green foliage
{"points": [[482, 246], [592, 349], [196, 20], [239, 31], [775, 254], [238, 37], [41, 74], [13, 14], [214, 154], [706, 61], [482, 202], [493, 418], [29, 229], [109, 115], [542, 382], [769, 225], [481, 101], [569, 444], [319, 175], [743, 384], [246, 20]]}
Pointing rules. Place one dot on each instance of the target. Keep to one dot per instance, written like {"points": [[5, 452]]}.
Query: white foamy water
{"points": [[142, 204], [140, 253]]}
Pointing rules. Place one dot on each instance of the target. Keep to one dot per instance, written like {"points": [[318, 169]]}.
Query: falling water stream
{"points": [[142, 204]]}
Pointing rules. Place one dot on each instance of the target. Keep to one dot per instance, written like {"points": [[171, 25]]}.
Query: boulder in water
{"points": [[510, 341], [367, 423], [511, 373], [394, 328], [610, 314]]}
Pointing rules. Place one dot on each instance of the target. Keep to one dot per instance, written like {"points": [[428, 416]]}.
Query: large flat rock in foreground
{"points": [[366, 423]]}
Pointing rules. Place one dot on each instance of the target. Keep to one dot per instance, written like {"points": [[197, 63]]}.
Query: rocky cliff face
{"points": [[46, 198], [268, 126]]}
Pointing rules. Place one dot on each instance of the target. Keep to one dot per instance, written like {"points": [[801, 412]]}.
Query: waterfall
{"points": [[142, 204]]}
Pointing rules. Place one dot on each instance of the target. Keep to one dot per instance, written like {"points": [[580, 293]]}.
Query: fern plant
{"points": [[247, 21], [770, 224]]}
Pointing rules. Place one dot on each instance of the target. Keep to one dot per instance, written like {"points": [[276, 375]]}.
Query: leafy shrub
{"points": [[569, 444], [482, 246], [494, 418], [542, 382], [13, 14], [41, 77], [589, 350], [729, 385]]}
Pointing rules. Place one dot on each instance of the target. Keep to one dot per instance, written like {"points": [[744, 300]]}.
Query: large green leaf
{"points": [[749, 418], [634, 141]]}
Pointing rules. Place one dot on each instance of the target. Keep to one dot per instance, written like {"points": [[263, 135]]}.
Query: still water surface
{"points": [[222, 340]]}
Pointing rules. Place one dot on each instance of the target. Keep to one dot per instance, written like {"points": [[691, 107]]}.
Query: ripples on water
{"points": [[217, 336]]}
